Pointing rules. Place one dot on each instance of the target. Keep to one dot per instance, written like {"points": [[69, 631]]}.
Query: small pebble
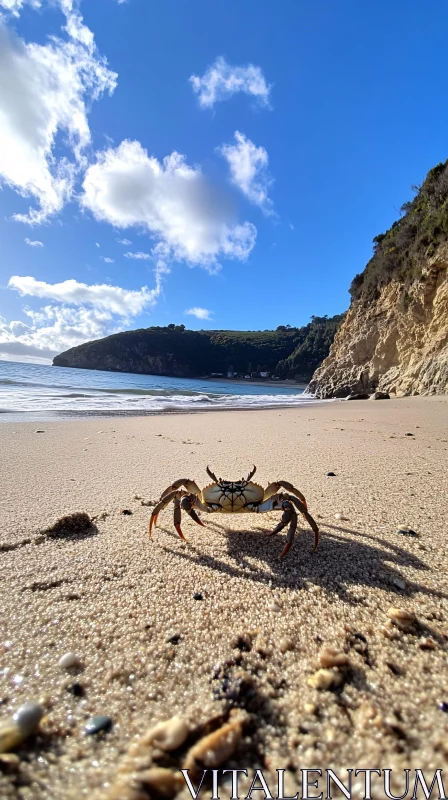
{"points": [[174, 638], [389, 631], [325, 679], [69, 660], [406, 532], [23, 724], [39, 431], [168, 735], [444, 707], [242, 642], [126, 511], [338, 516], [409, 434], [274, 607], [399, 583], [426, 644], [97, 724], [76, 689], [198, 596], [331, 474], [329, 657], [9, 760], [285, 645]]}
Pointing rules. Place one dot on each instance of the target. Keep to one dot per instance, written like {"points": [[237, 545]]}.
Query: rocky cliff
{"points": [[394, 337], [397, 344]]}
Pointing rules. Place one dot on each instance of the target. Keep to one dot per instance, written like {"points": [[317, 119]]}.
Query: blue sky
{"points": [[246, 151]]}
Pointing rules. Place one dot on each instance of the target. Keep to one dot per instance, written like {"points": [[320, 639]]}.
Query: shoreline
{"points": [[79, 416], [242, 381]]}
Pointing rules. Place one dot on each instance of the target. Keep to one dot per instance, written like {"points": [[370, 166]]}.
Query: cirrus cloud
{"points": [[220, 81], [138, 256]]}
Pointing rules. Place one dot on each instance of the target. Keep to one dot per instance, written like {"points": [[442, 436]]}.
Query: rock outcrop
{"points": [[396, 342]]}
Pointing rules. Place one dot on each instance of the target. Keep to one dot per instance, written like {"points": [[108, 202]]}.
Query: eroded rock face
{"points": [[397, 344]]}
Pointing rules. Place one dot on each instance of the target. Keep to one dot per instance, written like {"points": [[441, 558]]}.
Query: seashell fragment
{"points": [[214, 749], [402, 618], [168, 735], [329, 657]]}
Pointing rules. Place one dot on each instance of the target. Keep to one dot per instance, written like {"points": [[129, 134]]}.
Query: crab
{"points": [[236, 497]]}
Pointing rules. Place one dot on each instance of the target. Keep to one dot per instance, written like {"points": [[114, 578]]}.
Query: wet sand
{"points": [[116, 599]]}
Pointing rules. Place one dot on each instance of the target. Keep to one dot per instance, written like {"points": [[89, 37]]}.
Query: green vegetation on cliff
{"points": [[316, 339], [286, 352], [400, 252]]}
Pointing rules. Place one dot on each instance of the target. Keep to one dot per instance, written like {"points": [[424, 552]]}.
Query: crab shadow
{"points": [[341, 561]]}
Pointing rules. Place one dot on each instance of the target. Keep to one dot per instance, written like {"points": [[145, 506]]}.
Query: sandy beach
{"points": [[149, 650]]}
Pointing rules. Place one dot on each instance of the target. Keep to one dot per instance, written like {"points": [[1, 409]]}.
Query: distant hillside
{"points": [[286, 352]]}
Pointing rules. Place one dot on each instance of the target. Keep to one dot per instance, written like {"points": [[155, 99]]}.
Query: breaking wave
{"points": [[35, 391]]}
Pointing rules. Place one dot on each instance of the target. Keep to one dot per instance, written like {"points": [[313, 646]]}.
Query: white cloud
{"points": [[173, 201], [126, 242], [45, 91], [138, 256], [78, 313], [249, 170], [220, 81], [200, 313], [97, 244], [52, 330], [114, 299], [34, 243], [15, 6], [107, 260]]}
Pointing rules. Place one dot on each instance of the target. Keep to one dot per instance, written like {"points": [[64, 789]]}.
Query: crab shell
{"points": [[233, 497]]}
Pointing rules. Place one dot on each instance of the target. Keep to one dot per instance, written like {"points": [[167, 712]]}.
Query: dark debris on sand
{"points": [[76, 524]]}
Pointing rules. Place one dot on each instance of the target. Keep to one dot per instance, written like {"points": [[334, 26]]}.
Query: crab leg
{"points": [[287, 503], [311, 522], [187, 505], [290, 513], [190, 486], [159, 507], [273, 488], [289, 516], [178, 517]]}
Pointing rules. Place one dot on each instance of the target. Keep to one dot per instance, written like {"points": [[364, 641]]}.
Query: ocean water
{"points": [[33, 391]]}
